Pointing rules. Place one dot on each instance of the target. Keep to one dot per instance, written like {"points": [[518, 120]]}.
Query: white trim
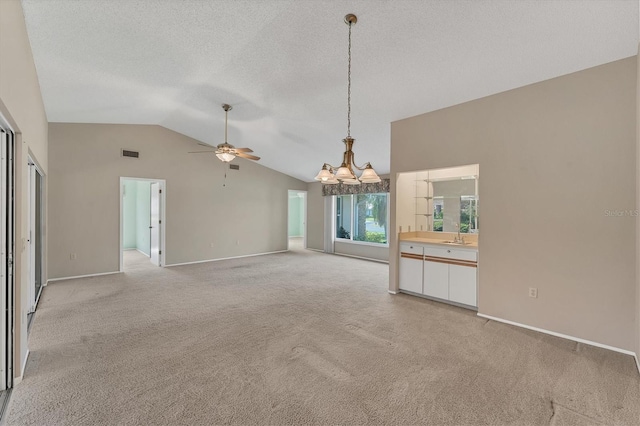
{"points": [[5, 123], [361, 257], [82, 276], [392, 292], [637, 362], [312, 249], [225, 258], [564, 336], [304, 218], [140, 251], [163, 219]]}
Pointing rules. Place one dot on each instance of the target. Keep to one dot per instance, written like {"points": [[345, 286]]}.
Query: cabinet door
{"points": [[411, 275], [462, 284], [436, 280]]}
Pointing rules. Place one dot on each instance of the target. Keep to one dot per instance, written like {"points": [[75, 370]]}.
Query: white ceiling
{"points": [[282, 64]]}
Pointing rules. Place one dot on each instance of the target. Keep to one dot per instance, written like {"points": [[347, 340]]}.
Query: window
{"points": [[468, 206], [362, 217], [468, 214], [438, 213]]}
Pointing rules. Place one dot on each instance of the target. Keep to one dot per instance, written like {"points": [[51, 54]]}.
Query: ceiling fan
{"points": [[225, 151]]}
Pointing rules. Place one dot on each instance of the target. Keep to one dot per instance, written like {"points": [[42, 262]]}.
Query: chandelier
{"points": [[331, 175]]}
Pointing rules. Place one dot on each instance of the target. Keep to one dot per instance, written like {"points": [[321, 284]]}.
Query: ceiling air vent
{"points": [[132, 154], [234, 166]]}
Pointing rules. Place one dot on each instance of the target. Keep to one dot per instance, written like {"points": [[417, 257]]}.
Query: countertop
{"points": [[440, 242]]}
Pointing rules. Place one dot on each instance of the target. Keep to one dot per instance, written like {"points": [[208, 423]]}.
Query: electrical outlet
{"points": [[533, 292], [73, 256]]}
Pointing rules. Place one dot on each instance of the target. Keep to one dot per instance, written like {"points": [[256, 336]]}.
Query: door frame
{"points": [[34, 169], [8, 304], [304, 216], [152, 205], [163, 202]]}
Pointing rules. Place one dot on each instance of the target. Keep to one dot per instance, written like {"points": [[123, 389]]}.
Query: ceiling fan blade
{"points": [[199, 152], [249, 156], [204, 144], [243, 150]]}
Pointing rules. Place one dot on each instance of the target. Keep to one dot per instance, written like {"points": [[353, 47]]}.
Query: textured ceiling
{"points": [[282, 64]]}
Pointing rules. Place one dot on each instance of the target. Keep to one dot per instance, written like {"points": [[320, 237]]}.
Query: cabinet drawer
{"points": [[411, 248], [451, 253]]}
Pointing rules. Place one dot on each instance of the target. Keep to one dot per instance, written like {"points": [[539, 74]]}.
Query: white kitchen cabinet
{"points": [[436, 280], [410, 274], [462, 284], [442, 272]]}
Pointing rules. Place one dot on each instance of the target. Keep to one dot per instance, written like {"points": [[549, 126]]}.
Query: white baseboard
{"points": [[225, 258], [564, 336], [637, 362], [392, 292], [362, 258], [312, 249], [136, 249], [50, 280]]}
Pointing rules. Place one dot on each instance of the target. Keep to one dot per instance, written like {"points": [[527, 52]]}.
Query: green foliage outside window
{"points": [[365, 215]]}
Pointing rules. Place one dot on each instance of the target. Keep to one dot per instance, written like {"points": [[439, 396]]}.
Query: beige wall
{"points": [[367, 251], [21, 105], [553, 157], [246, 213], [315, 216]]}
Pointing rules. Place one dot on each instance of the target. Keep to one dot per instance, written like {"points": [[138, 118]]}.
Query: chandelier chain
{"points": [[349, 87]]}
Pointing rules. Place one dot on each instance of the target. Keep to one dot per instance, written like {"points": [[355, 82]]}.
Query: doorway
{"points": [[35, 235], [297, 220], [142, 223]]}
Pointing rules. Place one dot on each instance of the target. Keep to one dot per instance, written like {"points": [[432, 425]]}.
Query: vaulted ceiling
{"points": [[282, 64]]}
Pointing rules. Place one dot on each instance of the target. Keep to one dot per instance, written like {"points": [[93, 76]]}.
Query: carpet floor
{"points": [[292, 339]]}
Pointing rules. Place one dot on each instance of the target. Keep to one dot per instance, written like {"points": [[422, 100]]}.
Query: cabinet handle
{"points": [[448, 251]]}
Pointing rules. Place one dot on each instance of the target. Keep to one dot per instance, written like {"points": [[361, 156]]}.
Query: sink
{"points": [[453, 242]]}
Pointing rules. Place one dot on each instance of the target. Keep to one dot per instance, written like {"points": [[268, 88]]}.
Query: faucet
{"points": [[458, 239]]}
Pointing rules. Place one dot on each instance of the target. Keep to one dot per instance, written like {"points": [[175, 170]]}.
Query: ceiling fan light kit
{"points": [[225, 157], [331, 175]]}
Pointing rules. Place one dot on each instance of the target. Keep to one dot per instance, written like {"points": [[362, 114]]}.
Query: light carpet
{"points": [[299, 338]]}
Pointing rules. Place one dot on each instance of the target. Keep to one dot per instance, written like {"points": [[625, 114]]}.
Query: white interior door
{"points": [[303, 219], [154, 228]]}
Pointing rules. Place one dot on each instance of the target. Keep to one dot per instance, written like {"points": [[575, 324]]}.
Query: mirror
{"points": [[439, 200], [455, 204]]}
